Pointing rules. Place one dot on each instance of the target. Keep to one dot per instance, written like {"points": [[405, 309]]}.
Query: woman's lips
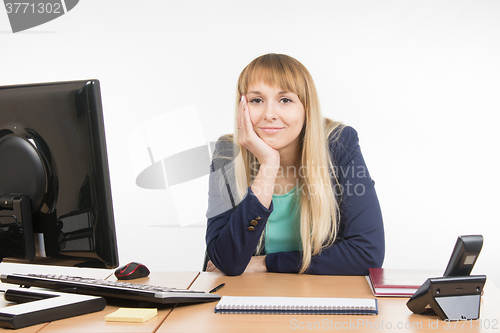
{"points": [[271, 130]]}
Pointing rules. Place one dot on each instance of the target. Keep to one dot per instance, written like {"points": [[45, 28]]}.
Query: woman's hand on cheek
{"points": [[250, 140]]}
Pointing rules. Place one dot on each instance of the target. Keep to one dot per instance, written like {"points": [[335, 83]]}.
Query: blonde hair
{"points": [[319, 210]]}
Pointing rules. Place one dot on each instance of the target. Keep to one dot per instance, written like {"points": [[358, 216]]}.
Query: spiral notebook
{"points": [[297, 305]]}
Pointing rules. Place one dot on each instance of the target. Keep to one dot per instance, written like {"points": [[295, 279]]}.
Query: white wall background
{"points": [[419, 80]]}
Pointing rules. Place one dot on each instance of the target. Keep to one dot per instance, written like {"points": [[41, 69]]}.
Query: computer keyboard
{"points": [[113, 289]]}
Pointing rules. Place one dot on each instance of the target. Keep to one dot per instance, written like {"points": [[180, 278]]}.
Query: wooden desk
{"points": [[94, 322], [393, 313]]}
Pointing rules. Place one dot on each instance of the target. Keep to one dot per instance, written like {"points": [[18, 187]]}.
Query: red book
{"points": [[398, 282]]}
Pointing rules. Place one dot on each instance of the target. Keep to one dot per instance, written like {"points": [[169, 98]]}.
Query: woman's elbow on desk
{"points": [[233, 271], [372, 259]]}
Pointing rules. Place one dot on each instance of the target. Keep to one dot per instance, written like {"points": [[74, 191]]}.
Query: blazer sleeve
{"points": [[361, 243], [233, 227]]}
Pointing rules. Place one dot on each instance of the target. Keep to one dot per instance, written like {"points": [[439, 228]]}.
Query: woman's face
{"points": [[277, 116]]}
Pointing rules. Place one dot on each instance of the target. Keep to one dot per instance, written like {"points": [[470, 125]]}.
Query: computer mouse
{"points": [[133, 270]]}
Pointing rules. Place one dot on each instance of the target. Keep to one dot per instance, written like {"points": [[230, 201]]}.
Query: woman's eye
{"points": [[256, 100], [286, 100]]}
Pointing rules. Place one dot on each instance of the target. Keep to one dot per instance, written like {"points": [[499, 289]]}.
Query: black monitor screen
{"points": [[55, 194]]}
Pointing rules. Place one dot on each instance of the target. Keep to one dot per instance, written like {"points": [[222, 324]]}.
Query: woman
{"points": [[290, 191]]}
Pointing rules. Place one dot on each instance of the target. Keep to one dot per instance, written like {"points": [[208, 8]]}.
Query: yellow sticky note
{"points": [[132, 315]]}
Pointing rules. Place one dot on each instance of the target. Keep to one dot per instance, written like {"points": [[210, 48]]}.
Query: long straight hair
{"points": [[319, 209]]}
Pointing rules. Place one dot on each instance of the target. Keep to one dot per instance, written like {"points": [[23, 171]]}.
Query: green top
{"points": [[283, 225]]}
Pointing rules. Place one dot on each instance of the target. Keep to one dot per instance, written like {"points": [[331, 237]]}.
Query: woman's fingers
{"points": [[247, 136], [245, 127], [211, 267], [247, 122], [241, 109]]}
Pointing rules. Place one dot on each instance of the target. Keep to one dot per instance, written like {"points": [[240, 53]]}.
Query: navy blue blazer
{"points": [[234, 228]]}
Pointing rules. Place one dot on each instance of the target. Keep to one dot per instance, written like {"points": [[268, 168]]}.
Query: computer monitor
{"points": [[55, 194]]}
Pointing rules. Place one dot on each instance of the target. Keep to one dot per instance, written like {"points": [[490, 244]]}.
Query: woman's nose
{"points": [[270, 112]]}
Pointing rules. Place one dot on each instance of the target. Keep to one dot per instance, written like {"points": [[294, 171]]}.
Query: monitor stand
{"points": [[41, 306], [15, 220]]}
